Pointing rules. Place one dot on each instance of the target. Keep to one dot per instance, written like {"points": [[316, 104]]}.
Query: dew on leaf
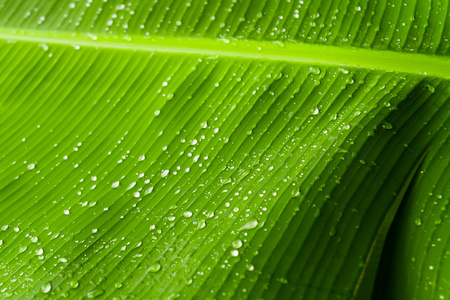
{"points": [[154, 268], [236, 244], [74, 284], [46, 288], [95, 293], [249, 225]]}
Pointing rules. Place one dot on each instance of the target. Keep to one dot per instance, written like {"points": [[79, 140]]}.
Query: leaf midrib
{"points": [[315, 54]]}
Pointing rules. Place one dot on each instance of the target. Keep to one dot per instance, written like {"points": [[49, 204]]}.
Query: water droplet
{"points": [[142, 157], [39, 252], [154, 268], [249, 225], [74, 284], [95, 293], [295, 192], [44, 46], [332, 231], [386, 125], [314, 70], [164, 173], [46, 288], [315, 111], [201, 224], [115, 184], [418, 221], [237, 244], [31, 166], [131, 185], [187, 214], [234, 253]]}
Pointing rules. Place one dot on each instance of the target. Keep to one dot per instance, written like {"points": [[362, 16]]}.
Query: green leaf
{"points": [[418, 248], [212, 149]]}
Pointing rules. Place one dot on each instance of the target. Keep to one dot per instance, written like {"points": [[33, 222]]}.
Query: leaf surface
{"points": [[209, 149]]}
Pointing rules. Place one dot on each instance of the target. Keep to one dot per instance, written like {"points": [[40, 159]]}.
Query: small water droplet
{"points": [[234, 253], [201, 224], [46, 288], [386, 125], [249, 225], [237, 244], [95, 293], [115, 184], [332, 231], [131, 185], [314, 70], [74, 284], [187, 214], [154, 268], [418, 221]]}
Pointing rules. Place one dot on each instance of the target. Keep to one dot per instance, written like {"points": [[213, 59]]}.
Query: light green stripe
{"points": [[412, 63]]}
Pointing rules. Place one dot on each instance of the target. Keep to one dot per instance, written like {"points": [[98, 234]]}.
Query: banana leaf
{"points": [[254, 149]]}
